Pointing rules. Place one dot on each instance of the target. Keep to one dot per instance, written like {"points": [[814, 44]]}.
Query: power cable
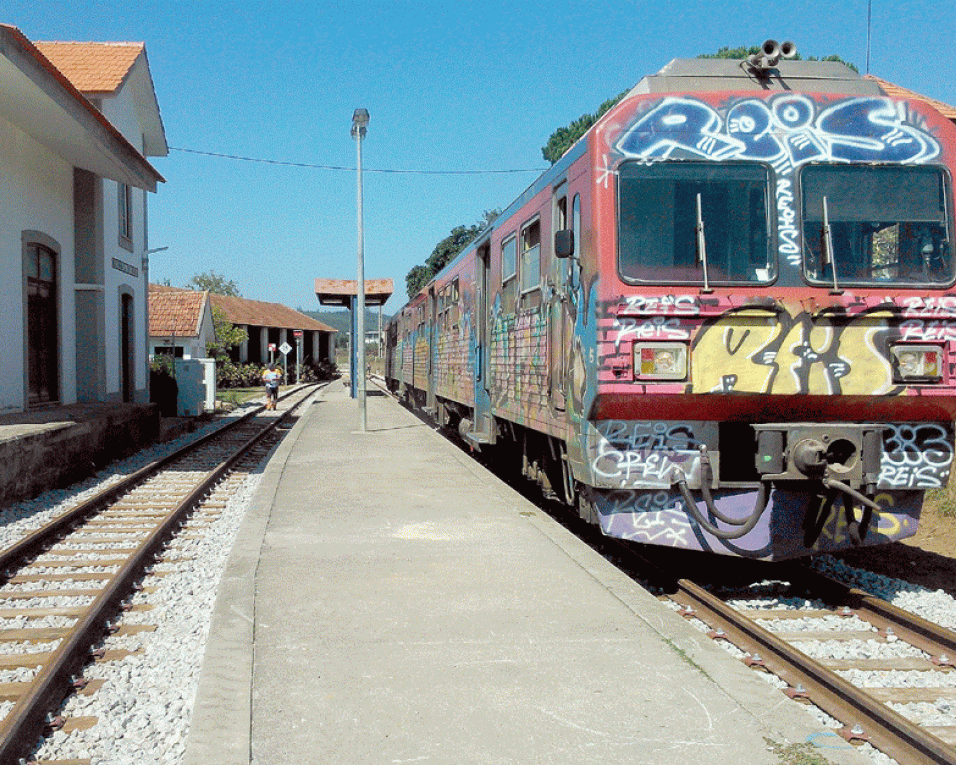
{"points": [[352, 169]]}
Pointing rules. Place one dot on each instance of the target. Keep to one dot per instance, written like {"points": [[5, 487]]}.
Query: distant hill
{"points": [[342, 320]]}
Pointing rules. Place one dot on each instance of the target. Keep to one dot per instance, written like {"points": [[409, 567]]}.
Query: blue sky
{"points": [[449, 86]]}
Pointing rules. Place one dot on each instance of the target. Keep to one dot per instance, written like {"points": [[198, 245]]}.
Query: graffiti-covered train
{"points": [[723, 321]]}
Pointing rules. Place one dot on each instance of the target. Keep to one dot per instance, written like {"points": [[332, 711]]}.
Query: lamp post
{"points": [[359, 124]]}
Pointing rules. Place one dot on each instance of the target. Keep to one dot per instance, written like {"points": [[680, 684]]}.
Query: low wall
{"points": [[37, 455]]}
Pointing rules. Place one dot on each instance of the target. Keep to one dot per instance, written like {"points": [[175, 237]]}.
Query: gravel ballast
{"points": [[145, 704]]}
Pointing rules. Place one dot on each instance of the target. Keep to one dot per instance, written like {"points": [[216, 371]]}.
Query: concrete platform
{"points": [[389, 601], [53, 447]]}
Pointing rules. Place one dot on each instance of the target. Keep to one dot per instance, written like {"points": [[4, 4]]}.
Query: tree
{"points": [[446, 251], [415, 279], [742, 53], [215, 283], [228, 335], [564, 138]]}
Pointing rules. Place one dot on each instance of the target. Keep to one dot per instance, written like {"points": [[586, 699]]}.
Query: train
{"points": [[723, 321]]}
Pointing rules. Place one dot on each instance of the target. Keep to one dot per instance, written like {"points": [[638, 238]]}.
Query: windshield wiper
{"points": [[826, 249], [702, 244]]}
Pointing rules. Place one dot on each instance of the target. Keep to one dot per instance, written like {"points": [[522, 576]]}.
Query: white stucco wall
{"points": [[36, 193], [121, 112]]}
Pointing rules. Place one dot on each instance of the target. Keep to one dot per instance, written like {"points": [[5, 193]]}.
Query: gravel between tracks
{"points": [[144, 707]]}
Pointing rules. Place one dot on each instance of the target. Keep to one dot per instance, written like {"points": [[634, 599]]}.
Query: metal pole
{"points": [[358, 130]]}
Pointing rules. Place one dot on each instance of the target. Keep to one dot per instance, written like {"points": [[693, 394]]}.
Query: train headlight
{"points": [[917, 363], [660, 361]]}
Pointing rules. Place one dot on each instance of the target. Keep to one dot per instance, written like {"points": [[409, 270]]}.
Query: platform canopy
{"points": [[341, 292]]}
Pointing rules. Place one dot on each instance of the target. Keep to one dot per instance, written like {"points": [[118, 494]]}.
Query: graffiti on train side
{"points": [[519, 361], [785, 131], [682, 305], [657, 328], [801, 353], [916, 456], [885, 526], [635, 454], [661, 518], [647, 517]]}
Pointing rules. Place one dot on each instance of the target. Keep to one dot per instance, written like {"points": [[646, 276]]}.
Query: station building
{"points": [[272, 324], [181, 323], [77, 122]]}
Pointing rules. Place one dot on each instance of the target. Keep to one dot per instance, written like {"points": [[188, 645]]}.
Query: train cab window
{"points": [[883, 224], [661, 207]]}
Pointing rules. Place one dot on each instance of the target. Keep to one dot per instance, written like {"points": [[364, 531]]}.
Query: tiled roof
{"points": [[898, 92], [350, 286], [174, 311], [259, 314], [93, 67]]}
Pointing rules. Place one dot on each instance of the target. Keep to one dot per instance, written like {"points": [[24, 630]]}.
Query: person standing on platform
{"points": [[271, 377]]}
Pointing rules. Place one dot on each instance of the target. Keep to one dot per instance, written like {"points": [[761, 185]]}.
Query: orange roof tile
{"points": [[899, 92], [174, 311], [257, 313], [93, 67]]}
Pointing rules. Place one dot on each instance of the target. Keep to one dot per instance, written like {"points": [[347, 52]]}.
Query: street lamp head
{"points": [[359, 123]]}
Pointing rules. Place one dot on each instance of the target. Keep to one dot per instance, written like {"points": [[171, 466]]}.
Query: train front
{"points": [[773, 314]]}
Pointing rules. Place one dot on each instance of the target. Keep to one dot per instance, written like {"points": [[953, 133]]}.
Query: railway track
{"points": [[800, 645], [62, 586]]}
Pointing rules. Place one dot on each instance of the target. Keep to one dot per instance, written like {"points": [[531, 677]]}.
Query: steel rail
{"points": [[33, 542], [25, 723], [887, 730], [913, 629]]}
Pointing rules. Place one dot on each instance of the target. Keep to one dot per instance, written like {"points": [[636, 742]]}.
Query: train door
{"points": [[483, 311], [432, 333], [481, 429], [558, 318]]}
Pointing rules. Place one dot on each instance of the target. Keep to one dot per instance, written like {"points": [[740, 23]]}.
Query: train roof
{"points": [[711, 74]]}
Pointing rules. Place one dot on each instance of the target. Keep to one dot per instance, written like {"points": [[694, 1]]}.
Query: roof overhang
{"points": [[41, 102], [341, 292]]}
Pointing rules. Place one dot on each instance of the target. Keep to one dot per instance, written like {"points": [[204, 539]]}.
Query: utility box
{"points": [[197, 386]]}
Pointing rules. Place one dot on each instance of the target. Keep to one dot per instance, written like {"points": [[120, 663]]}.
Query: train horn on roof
{"points": [[770, 54]]}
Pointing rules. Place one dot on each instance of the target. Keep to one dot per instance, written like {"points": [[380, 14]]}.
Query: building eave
{"points": [[43, 103]]}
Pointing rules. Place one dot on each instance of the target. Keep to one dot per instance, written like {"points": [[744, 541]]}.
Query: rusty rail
{"points": [[25, 724], [887, 730]]}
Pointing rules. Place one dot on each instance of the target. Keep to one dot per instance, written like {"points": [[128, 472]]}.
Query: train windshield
{"points": [[876, 224], [672, 214]]}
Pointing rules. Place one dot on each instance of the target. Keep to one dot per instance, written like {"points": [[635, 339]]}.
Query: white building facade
{"points": [[74, 183]]}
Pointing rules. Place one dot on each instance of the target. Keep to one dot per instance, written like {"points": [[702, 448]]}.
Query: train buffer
{"points": [[389, 600]]}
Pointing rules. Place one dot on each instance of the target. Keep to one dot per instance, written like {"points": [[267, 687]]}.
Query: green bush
{"points": [[232, 375]]}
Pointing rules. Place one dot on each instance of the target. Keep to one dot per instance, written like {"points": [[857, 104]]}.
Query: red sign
{"points": [[298, 333], [272, 346]]}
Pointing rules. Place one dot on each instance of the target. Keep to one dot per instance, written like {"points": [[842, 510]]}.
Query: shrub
{"points": [[232, 375]]}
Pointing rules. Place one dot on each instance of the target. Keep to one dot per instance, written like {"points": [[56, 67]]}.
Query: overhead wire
{"points": [[352, 169]]}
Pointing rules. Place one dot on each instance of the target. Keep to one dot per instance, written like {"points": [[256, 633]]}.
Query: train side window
{"points": [[509, 249], [509, 268], [531, 256], [574, 264], [454, 307], [560, 267]]}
